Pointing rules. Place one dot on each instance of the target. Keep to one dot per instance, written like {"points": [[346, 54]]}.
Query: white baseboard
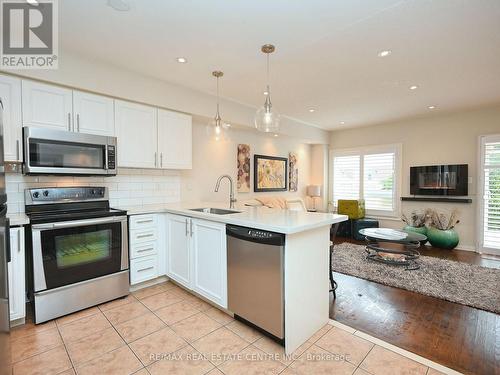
{"points": [[459, 247]]}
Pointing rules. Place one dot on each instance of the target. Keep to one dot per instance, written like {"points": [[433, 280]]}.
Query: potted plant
{"points": [[416, 222], [441, 232]]}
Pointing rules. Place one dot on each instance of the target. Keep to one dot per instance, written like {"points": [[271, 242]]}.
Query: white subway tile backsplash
{"points": [[130, 187]]}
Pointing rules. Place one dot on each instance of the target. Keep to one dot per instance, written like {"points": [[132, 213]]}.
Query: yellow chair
{"points": [[354, 208]]}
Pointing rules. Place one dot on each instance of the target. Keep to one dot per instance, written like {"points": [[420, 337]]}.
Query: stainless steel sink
{"points": [[216, 211]]}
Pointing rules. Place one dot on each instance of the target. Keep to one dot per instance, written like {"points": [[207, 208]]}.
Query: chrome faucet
{"points": [[231, 186]]}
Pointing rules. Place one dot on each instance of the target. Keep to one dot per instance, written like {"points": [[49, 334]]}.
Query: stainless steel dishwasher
{"points": [[255, 261]]}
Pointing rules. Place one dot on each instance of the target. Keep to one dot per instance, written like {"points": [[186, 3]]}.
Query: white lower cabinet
{"points": [[143, 269], [196, 256], [145, 247], [16, 275], [178, 257], [209, 261]]}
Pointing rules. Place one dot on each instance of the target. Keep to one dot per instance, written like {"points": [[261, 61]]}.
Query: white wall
{"points": [[213, 158], [79, 72], [319, 174], [439, 139], [210, 159]]}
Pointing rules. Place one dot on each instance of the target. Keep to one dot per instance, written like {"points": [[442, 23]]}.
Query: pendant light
{"points": [[217, 128], [267, 120]]}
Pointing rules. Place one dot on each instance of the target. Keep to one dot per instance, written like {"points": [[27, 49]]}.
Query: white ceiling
{"points": [[326, 55]]}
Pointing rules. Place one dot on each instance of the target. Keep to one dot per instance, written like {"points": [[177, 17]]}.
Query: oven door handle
{"points": [[78, 223]]}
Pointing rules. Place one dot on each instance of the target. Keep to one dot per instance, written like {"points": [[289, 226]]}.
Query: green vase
{"points": [[420, 230], [445, 239]]}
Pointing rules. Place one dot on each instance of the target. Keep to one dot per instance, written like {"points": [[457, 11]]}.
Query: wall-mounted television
{"points": [[449, 180]]}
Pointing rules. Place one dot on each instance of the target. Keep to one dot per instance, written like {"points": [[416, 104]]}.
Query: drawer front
{"points": [[143, 269], [143, 221], [143, 249], [139, 236]]}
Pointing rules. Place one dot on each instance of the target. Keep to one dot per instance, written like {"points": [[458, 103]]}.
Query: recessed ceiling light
{"points": [[119, 5], [266, 93], [311, 110], [276, 135], [414, 87], [342, 122], [384, 53], [431, 107], [181, 60]]}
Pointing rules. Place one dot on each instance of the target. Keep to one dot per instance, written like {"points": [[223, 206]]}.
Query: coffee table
{"points": [[406, 256]]}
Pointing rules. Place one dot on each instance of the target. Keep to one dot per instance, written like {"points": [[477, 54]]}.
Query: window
{"points": [[490, 187], [371, 174]]}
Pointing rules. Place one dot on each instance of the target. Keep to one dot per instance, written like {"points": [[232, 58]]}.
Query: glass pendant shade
{"points": [[216, 128], [266, 119]]}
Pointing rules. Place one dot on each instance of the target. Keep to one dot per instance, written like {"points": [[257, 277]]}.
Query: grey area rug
{"points": [[453, 281]]}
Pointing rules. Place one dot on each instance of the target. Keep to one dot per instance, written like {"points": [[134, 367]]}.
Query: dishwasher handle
{"points": [[255, 235]]}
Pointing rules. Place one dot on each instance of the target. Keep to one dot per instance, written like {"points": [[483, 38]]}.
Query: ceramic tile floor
{"points": [[165, 330]]}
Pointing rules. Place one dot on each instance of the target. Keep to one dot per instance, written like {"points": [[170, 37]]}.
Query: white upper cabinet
{"points": [[93, 114], [137, 135], [47, 106], [174, 140], [10, 93]]}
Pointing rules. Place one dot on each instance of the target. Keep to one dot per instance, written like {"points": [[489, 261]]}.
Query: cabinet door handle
{"points": [[19, 242], [161, 159], [191, 227], [145, 269], [187, 232], [78, 122], [69, 121], [17, 150], [156, 160], [144, 235], [145, 249], [144, 221]]}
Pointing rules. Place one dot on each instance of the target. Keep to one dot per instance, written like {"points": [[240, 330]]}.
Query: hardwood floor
{"points": [[457, 336]]}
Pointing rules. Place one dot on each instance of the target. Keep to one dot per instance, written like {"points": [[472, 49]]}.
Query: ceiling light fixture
{"points": [[181, 60], [276, 135], [217, 128], [119, 5], [431, 107], [384, 53], [312, 110], [342, 122], [267, 120], [414, 87]]}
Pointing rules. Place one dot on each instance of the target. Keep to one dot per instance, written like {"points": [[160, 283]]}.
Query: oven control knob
{"points": [[36, 194], [46, 193]]}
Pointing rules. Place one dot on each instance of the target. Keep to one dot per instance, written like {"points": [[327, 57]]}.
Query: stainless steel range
{"points": [[79, 250]]}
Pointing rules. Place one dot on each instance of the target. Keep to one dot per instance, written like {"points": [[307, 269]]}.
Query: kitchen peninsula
{"points": [[197, 257]]}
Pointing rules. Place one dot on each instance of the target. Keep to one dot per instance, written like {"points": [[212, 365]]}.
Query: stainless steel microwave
{"points": [[57, 152]]}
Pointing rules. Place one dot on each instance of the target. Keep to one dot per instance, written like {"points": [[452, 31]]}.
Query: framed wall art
{"points": [[243, 182], [270, 173], [293, 179]]}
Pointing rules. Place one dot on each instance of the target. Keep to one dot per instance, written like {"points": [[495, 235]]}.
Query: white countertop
{"points": [[18, 219], [274, 220]]}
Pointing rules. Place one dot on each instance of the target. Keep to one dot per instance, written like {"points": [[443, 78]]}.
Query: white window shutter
{"points": [[491, 195], [378, 181], [346, 177]]}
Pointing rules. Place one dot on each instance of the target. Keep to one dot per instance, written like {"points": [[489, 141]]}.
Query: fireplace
{"points": [[449, 180]]}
